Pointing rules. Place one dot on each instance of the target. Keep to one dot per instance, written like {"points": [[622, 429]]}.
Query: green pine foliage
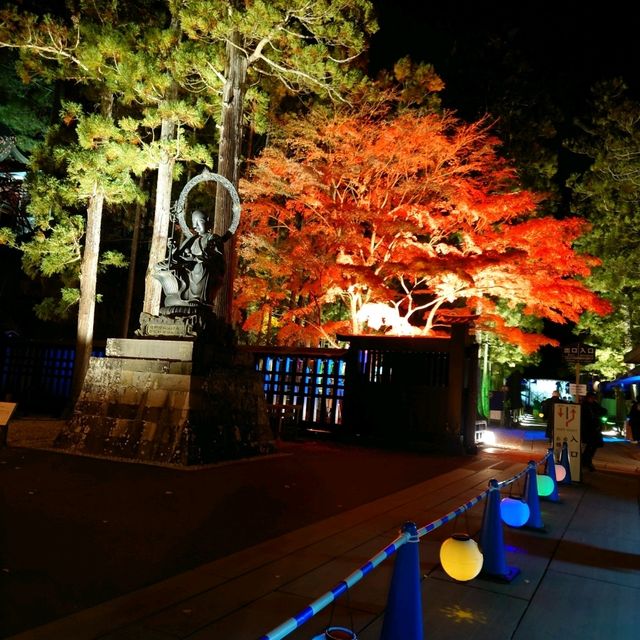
{"points": [[607, 192], [25, 110], [85, 155]]}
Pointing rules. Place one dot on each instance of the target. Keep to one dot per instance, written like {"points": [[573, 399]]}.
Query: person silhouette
{"points": [[591, 415], [634, 421]]}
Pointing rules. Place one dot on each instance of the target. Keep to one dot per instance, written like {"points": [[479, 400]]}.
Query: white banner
{"points": [[578, 389]]}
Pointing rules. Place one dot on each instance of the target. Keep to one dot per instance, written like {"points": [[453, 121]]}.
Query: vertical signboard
{"points": [[566, 428]]}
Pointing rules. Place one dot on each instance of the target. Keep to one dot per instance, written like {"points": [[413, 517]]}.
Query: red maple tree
{"points": [[371, 221]]}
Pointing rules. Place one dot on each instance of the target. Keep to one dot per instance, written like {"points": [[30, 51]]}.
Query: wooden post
{"points": [[456, 382], [470, 395]]}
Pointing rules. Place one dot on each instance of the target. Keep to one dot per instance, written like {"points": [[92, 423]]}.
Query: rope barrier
{"points": [[451, 515], [303, 616], [505, 483]]}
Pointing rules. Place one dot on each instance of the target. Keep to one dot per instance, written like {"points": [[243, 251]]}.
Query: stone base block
{"points": [[143, 401], [150, 349]]}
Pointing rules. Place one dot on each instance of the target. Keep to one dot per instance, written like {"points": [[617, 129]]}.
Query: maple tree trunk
{"points": [[353, 313], [161, 218], [87, 305], [228, 162]]}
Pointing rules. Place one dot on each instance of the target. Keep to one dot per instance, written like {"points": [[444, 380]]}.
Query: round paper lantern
{"points": [[514, 512], [545, 485], [460, 557], [561, 473]]}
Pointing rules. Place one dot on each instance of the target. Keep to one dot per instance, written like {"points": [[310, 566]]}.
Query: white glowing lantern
{"points": [[545, 485], [460, 557], [561, 473], [514, 512]]}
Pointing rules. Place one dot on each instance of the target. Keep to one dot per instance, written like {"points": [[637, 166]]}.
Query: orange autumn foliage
{"points": [[417, 212]]}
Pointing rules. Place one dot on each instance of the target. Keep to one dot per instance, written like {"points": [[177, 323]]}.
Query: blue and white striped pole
{"points": [[290, 625], [404, 619]]}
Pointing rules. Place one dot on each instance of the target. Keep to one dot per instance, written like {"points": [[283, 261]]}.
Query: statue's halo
{"points": [[203, 177]]}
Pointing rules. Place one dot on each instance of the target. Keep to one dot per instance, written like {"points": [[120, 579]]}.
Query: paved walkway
{"points": [[580, 577]]}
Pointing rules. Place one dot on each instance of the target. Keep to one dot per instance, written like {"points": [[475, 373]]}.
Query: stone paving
{"points": [[579, 577]]}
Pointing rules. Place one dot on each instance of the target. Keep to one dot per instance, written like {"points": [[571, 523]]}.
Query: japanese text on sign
{"points": [[579, 352], [566, 428]]}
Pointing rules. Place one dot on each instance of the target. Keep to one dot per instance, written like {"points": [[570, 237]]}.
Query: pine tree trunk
{"points": [[89, 276], [161, 218], [88, 279], [133, 259], [228, 163]]}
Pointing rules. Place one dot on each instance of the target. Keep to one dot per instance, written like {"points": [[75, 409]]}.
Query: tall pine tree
{"points": [[606, 191]]}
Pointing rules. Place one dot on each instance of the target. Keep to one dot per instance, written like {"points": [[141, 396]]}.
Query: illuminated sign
{"points": [[566, 428]]}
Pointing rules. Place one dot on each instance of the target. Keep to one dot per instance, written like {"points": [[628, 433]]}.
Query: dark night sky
{"points": [[567, 45]]}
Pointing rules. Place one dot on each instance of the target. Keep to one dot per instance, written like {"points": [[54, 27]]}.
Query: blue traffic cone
{"points": [[403, 616], [535, 518], [564, 461], [551, 472], [494, 564]]}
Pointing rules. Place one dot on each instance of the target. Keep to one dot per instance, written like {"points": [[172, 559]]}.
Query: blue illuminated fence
{"points": [[38, 374], [313, 390], [305, 389], [310, 381], [408, 535]]}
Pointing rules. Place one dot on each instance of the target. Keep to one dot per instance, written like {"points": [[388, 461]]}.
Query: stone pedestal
{"points": [[169, 401]]}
